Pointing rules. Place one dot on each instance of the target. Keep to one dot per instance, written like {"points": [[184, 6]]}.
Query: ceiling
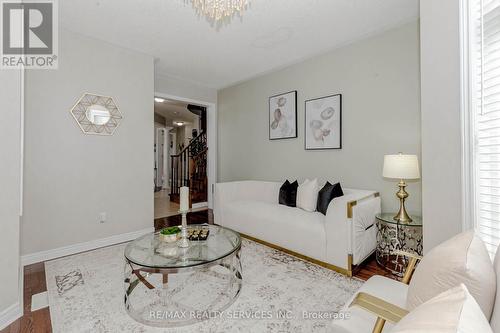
{"points": [[271, 33], [175, 111]]}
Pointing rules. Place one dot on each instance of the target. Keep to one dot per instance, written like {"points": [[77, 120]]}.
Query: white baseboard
{"points": [[11, 314], [32, 258], [21, 288], [15, 311], [199, 205]]}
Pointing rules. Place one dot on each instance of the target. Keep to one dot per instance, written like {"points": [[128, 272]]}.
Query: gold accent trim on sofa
{"points": [[337, 269], [353, 203], [350, 205]]}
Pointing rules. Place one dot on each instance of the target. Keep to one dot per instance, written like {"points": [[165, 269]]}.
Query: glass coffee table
{"points": [[167, 286]]}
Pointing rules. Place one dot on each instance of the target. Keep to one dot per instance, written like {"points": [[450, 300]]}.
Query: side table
{"points": [[392, 236]]}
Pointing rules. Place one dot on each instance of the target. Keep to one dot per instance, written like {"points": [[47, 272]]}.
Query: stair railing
{"points": [[181, 164]]}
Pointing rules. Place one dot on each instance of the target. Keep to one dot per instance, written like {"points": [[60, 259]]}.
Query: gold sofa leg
{"points": [[349, 265]]}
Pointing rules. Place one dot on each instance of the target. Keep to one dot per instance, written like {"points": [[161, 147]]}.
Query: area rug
{"points": [[86, 294]]}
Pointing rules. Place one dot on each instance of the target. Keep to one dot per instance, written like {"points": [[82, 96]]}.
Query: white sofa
{"points": [[343, 238]]}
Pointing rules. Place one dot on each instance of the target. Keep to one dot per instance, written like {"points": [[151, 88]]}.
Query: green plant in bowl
{"points": [[170, 234], [170, 231]]}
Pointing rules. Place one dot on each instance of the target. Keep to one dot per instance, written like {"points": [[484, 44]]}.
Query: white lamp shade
{"points": [[401, 166]]}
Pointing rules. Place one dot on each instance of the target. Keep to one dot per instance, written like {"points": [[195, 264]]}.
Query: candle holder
{"points": [[183, 241]]}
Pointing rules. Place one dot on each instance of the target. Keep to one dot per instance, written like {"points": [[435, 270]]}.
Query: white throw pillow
{"points": [[454, 311], [461, 259], [307, 195]]}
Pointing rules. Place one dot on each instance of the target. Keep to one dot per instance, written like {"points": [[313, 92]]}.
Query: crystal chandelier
{"points": [[217, 10]]}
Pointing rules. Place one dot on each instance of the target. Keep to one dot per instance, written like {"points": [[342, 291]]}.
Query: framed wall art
{"points": [[283, 116], [323, 122]]}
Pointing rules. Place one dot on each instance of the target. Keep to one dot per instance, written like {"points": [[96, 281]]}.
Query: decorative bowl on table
{"points": [[170, 234]]}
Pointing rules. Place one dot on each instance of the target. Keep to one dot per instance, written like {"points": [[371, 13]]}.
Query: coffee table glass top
{"points": [[150, 251]]}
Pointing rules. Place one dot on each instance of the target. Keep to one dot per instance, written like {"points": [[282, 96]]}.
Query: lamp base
{"points": [[402, 216]]}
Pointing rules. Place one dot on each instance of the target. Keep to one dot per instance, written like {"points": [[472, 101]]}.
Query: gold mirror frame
{"points": [[79, 112]]}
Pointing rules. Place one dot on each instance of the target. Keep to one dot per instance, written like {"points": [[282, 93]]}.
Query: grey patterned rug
{"points": [[86, 294]]}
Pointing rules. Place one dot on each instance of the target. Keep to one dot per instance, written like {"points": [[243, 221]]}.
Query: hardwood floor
{"points": [[37, 321], [197, 217], [370, 267], [34, 279]]}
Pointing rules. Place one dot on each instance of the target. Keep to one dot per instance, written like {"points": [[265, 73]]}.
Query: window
{"points": [[483, 54]]}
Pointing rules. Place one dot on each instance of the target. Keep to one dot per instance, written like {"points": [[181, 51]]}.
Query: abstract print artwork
{"points": [[283, 116], [324, 123]]}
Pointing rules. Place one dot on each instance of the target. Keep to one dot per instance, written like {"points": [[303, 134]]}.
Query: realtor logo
{"points": [[29, 34]]}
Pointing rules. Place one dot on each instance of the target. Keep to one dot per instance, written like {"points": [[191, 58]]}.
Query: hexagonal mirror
{"points": [[96, 114]]}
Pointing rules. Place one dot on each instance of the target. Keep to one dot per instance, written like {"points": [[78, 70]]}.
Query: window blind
{"points": [[485, 74]]}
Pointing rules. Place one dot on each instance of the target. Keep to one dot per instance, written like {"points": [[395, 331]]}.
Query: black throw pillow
{"points": [[292, 194], [288, 193], [284, 193], [327, 194]]}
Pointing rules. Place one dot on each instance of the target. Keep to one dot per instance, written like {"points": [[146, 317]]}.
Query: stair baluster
{"points": [[189, 168]]}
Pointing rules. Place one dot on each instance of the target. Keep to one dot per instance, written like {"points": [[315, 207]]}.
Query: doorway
{"points": [[182, 157]]}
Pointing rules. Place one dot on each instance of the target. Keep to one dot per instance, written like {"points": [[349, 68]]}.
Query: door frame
{"points": [[165, 180], [166, 158], [211, 139]]}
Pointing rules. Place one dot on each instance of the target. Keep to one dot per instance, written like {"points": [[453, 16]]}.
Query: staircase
{"points": [[189, 168]]}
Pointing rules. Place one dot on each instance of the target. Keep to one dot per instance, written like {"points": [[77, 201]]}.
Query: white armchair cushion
{"points": [[307, 195], [454, 311], [461, 259], [362, 321]]}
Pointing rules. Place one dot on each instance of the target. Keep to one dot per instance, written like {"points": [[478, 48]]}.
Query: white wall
{"points": [[71, 177], [10, 180], [181, 88], [379, 80], [441, 130]]}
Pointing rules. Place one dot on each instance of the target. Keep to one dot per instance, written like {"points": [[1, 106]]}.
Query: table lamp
{"points": [[401, 167]]}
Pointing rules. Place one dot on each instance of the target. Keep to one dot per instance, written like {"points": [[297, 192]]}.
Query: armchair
{"points": [[386, 311], [463, 260]]}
